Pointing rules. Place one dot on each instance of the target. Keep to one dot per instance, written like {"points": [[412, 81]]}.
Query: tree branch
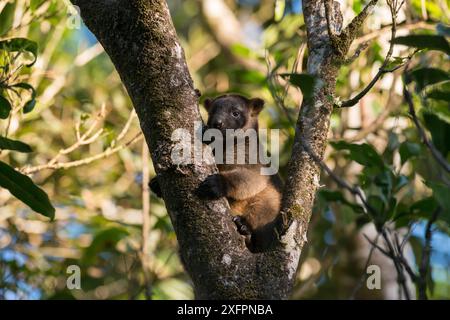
{"points": [[85, 139], [425, 260], [394, 8], [77, 163], [141, 41], [351, 31], [389, 106]]}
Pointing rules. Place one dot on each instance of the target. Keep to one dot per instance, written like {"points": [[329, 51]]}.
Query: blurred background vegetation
{"points": [[88, 156]]}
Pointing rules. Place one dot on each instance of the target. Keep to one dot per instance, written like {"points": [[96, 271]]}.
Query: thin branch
{"points": [[66, 165], [355, 190], [86, 138], [391, 253], [398, 265], [361, 47], [425, 261], [126, 128], [366, 265], [375, 245], [379, 121], [401, 26], [279, 100], [382, 70], [407, 236], [401, 257], [146, 222], [436, 154]]}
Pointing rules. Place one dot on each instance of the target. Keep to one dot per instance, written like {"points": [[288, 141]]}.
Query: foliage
{"points": [[62, 102]]}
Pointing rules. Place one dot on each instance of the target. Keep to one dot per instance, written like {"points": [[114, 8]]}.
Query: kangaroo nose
{"points": [[218, 124]]}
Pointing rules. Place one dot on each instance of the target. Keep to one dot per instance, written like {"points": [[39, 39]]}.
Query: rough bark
{"points": [[141, 41]]}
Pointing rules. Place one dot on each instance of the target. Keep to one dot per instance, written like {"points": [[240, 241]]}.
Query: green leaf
{"points": [[392, 146], [30, 104], [336, 196], [439, 108], [364, 153], [384, 180], [280, 6], [34, 4], [7, 17], [424, 207], [252, 76], [402, 215], [379, 206], [400, 182], [241, 50], [440, 132], [8, 144], [304, 81], [5, 108], [23, 188], [439, 95], [408, 150], [357, 6], [441, 194], [104, 240], [20, 45], [428, 76], [443, 30], [423, 41]]}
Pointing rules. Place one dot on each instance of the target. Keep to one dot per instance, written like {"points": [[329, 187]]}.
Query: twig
{"points": [[86, 138], [125, 128], [402, 26], [436, 154], [279, 101], [407, 236], [397, 263], [390, 253], [364, 275], [401, 257], [356, 191], [342, 42], [66, 165], [379, 121], [375, 245], [425, 261], [382, 70]]}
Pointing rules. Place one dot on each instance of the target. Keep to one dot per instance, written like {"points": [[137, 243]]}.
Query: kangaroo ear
{"points": [[207, 103], [257, 105]]}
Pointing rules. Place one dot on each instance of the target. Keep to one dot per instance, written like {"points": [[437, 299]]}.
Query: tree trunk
{"points": [[141, 41]]}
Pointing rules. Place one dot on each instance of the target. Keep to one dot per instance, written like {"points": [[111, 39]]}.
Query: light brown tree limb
{"points": [[77, 163]]}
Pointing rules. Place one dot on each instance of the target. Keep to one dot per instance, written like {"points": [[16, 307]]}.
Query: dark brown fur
{"points": [[254, 198]]}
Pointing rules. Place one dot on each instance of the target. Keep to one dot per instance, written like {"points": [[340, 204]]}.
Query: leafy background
{"points": [[73, 167]]}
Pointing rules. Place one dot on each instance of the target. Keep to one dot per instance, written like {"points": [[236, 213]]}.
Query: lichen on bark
{"points": [[141, 41]]}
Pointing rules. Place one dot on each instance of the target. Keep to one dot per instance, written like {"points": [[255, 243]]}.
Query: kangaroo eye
{"points": [[235, 114]]}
